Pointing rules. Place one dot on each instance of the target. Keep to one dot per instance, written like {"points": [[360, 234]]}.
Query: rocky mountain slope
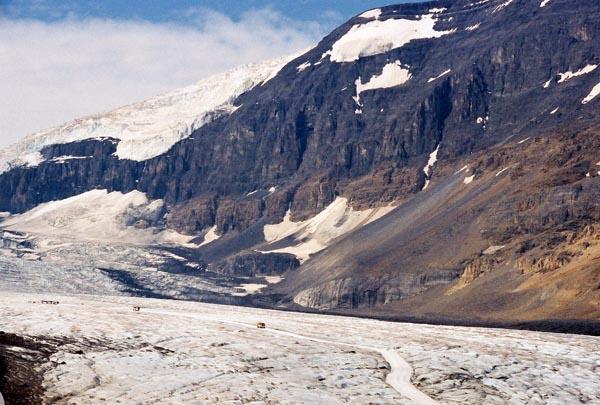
{"points": [[436, 160]]}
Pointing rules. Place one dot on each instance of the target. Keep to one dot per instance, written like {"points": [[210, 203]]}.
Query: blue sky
{"points": [[64, 59], [326, 12]]}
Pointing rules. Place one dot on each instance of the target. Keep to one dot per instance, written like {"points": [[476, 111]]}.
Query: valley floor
{"points": [[94, 349]]}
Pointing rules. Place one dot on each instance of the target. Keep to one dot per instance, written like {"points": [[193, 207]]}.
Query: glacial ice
{"points": [[151, 127], [190, 352]]}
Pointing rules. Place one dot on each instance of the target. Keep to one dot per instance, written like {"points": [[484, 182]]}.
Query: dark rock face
{"points": [[255, 264], [361, 292], [297, 143], [300, 132], [71, 169], [93, 148]]}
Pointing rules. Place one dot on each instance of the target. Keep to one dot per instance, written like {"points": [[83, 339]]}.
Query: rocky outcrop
{"points": [[589, 234], [548, 191], [93, 148], [255, 264], [356, 293], [237, 215], [300, 131], [547, 263], [72, 169], [192, 216], [475, 269]]}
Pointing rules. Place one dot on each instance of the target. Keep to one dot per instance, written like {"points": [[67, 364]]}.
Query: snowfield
{"points": [[570, 75], [376, 37], [182, 352], [315, 234], [392, 75], [98, 215], [150, 128], [593, 94]]}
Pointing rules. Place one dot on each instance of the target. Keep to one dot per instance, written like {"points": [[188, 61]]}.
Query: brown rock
{"points": [[237, 215], [544, 264], [475, 269], [192, 216]]}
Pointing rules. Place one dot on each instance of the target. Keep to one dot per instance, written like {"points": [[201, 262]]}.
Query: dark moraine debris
{"points": [[22, 360]]}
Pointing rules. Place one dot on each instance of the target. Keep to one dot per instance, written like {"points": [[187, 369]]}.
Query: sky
{"points": [[64, 59]]}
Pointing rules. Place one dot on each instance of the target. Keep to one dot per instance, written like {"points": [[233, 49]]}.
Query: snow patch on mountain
{"points": [[431, 161], [30, 159], [429, 166], [570, 75], [502, 171], [64, 159], [376, 37], [566, 76], [317, 233], [210, 236], [478, 3], [98, 216], [393, 74], [375, 13], [303, 66], [444, 73], [150, 128], [493, 249], [502, 6], [593, 94], [462, 169]]}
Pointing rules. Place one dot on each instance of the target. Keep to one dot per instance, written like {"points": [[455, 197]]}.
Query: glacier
{"points": [[150, 128], [202, 353]]}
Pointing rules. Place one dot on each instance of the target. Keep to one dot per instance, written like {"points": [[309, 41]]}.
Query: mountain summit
{"points": [[436, 160]]}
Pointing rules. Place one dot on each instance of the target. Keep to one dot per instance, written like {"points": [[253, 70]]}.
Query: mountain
{"points": [[436, 161]]}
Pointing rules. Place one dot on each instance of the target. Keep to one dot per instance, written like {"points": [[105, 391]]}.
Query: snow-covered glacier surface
{"points": [[149, 128], [109, 243], [184, 352], [98, 215]]}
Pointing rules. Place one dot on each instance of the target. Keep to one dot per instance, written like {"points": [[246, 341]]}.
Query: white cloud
{"points": [[53, 72]]}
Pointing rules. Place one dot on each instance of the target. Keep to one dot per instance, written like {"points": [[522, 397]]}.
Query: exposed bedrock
{"points": [[356, 292], [301, 128], [70, 169], [504, 97], [255, 264]]}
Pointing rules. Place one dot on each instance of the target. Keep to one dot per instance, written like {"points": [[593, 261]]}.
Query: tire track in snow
{"points": [[400, 370], [399, 377]]}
